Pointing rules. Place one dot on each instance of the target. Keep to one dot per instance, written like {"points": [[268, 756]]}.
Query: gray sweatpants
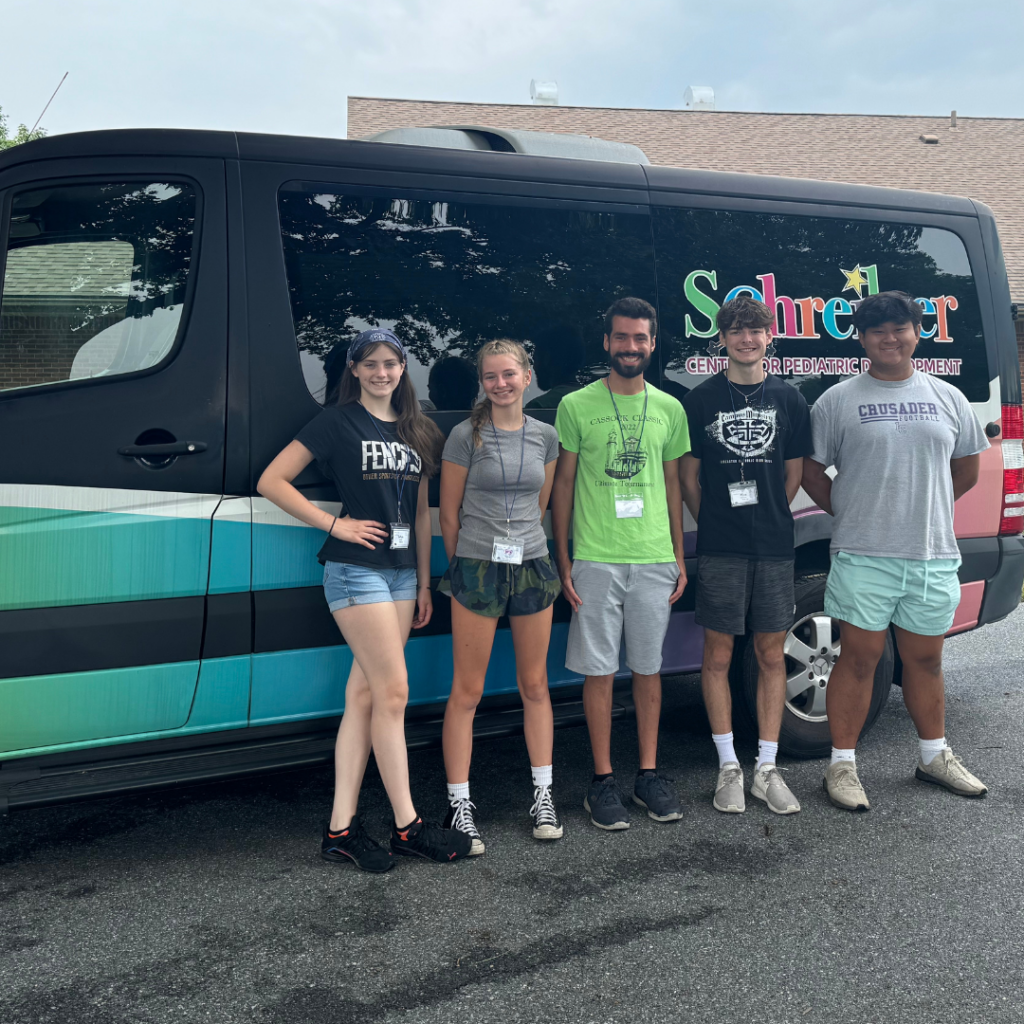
{"points": [[619, 598]]}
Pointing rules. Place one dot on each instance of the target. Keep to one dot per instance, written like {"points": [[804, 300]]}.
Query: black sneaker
{"points": [[654, 792], [428, 840], [604, 802], [460, 816], [353, 845], [545, 818]]}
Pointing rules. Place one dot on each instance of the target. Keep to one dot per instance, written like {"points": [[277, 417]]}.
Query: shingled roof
{"points": [[979, 158]]}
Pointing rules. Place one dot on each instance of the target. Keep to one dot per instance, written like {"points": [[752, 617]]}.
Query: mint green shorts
{"points": [[869, 591]]}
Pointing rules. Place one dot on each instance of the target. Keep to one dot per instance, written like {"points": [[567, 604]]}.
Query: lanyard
{"points": [[643, 419], [399, 488], [746, 398], [509, 509]]}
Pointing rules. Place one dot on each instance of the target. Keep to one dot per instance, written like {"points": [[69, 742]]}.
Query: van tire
{"points": [[805, 732]]}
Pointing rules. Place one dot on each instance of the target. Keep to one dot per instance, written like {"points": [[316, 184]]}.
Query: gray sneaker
{"points": [[843, 787], [729, 798], [604, 802], [769, 787], [654, 792], [948, 770]]}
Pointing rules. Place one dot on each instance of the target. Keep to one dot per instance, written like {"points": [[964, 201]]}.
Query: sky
{"points": [[288, 67]]}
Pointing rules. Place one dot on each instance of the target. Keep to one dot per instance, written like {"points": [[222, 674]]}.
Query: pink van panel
{"points": [[978, 512], [969, 609]]}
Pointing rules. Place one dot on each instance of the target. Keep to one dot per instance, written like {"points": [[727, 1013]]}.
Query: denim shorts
{"points": [[870, 591], [346, 585]]}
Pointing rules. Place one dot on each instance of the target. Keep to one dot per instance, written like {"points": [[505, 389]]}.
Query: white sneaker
{"points": [[946, 769], [729, 798], [769, 787], [843, 787]]}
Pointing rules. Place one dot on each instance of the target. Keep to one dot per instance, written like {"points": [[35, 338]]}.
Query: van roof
{"points": [[309, 151]]}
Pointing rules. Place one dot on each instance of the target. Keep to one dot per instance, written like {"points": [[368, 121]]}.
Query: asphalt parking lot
{"points": [[212, 903]]}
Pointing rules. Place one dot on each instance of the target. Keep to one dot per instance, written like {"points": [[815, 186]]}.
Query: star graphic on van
{"points": [[855, 280]]}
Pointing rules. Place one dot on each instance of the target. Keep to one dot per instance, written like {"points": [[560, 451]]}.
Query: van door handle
{"points": [[137, 451]]}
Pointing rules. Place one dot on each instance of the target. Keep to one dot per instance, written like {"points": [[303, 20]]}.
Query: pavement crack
{"points": [[313, 1005]]}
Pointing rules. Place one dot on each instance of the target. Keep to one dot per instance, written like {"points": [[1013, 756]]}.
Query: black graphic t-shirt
{"points": [[762, 428], [367, 461]]}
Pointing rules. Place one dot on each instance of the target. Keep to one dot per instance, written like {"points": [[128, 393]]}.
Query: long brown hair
{"points": [[501, 347], [415, 429]]}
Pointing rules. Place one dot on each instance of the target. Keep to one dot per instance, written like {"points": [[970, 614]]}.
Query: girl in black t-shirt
{"points": [[379, 449]]}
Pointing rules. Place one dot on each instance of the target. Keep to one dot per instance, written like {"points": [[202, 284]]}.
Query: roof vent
{"points": [[930, 140], [699, 97], [544, 94]]}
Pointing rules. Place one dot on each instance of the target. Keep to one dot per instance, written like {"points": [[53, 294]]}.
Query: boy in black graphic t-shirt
{"points": [[749, 432]]}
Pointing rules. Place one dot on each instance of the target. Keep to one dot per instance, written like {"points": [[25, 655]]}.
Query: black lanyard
{"points": [[399, 488], [643, 419], [746, 398], [509, 509]]}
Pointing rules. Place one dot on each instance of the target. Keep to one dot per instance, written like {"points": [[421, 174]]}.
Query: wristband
{"points": [[330, 529]]}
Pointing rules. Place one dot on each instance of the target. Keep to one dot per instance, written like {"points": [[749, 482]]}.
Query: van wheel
{"points": [[811, 646]]}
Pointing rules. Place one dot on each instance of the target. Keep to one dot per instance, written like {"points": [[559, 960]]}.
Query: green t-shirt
{"points": [[587, 424]]}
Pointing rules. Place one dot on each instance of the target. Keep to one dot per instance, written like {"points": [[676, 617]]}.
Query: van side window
{"points": [[812, 270], [94, 280], [449, 275]]}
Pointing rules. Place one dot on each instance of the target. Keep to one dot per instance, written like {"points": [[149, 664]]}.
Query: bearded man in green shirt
{"points": [[617, 482]]}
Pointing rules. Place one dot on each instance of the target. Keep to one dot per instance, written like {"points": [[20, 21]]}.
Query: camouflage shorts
{"points": [[496, 588]]}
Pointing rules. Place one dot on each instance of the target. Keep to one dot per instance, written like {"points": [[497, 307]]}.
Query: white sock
{"points": [[541, 776], [930, 749], [726, 751], [458, 791], [843, 755], [766, 751]]}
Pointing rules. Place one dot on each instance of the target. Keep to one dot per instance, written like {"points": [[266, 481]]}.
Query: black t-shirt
{"points": [[367, 461], [762, 428]]}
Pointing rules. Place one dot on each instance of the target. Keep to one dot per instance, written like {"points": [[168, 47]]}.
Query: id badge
{"points": [[508, 550], [400, 535], [743, 492], [629, 506]]}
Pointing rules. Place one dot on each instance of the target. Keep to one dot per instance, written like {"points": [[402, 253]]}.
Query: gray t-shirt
{"points": [[483, 504], [891, 442]]}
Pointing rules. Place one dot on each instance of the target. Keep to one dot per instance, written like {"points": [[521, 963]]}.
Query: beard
{"points": [[627, 370]]}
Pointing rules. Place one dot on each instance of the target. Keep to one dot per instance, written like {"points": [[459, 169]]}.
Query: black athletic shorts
{"points": [[740, 595]]}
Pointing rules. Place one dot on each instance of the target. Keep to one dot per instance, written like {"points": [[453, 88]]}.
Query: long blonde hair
{"points": [[501, 347]]}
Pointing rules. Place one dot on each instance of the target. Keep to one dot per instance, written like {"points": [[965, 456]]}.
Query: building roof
{"points": [[978, 158]]}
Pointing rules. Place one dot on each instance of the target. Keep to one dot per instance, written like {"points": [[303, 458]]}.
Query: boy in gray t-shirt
{"points": [[904, 446]]}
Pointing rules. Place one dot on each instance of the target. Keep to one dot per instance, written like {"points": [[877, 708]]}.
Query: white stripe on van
{"points": [[169, 504], [266, 513]]}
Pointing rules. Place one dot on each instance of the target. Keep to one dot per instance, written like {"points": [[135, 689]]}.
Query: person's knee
{"points": [[862, 661], [358, 696], [769, 652], [924, 664], [718, 654], [392, 698], [534, 688], [466, 694]]}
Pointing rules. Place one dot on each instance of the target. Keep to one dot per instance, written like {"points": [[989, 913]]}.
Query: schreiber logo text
{"points": [[701, 366], [801, 318]]}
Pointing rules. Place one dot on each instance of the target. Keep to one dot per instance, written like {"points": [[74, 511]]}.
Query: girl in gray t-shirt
{"points": [[496, 475]]}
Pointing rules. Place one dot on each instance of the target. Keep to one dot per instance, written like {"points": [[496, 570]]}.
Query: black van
{"points": [[170, 301]]}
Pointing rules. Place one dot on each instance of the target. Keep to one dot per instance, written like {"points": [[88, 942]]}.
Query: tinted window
{"points": [[94, 280], [811, 268], [448, 276]]}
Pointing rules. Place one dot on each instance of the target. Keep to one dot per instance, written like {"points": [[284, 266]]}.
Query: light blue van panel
{"points": [[44, 712]]}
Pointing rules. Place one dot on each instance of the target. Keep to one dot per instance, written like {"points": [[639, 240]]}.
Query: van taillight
{"points": [[1012, 520]]}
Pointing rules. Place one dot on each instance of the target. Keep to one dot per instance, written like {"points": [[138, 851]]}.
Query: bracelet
{"points": [[330, 529]]}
